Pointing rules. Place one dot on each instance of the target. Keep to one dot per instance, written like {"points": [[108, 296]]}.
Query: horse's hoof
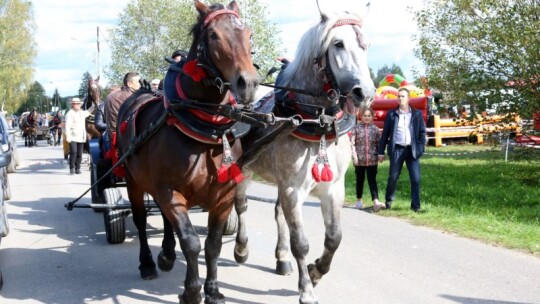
{"points": [[241, 258], [314, 274], [284, 267], [164, 263], [148, 273], [215, 299], [194, 299]]}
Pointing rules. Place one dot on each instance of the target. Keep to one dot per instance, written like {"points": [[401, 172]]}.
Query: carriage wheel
{"points": [[115, 222], [231, 225]]}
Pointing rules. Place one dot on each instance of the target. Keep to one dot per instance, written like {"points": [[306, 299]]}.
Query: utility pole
{"points": [[97, 58]]}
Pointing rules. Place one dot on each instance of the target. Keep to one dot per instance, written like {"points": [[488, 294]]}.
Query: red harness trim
{"points": [[213, 15], [347, 21], [173, 121], [202, 115]]}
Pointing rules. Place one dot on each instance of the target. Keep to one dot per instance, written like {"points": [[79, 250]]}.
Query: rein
{"points": [[237, 113]]}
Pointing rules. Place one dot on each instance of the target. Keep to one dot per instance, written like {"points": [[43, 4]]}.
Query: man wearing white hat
{"points": [[155, 84], [76, 134]]}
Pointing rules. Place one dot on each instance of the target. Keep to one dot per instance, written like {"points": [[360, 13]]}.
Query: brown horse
{"points": [[180, 168], [28, 123], [91, 105]]}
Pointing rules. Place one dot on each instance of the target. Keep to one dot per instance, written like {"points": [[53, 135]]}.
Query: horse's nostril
{"points": [[241, 83], [358, 94]]}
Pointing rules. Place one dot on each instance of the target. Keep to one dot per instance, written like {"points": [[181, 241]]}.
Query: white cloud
{"points": [[66, 34]]}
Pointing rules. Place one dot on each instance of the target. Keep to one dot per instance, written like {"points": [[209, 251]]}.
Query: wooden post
{"points": [[437, 126]]}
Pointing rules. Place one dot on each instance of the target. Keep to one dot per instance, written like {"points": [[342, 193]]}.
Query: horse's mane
{"points": [[314, 44]]}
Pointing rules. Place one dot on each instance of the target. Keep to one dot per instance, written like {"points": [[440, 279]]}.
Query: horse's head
{"points": [[334, 52], [93, 91], [33, 118], [222, 46]]}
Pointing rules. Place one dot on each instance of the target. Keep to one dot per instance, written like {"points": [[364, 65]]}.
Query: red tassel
{"points": [[123, 127], [223, 174], [327, 87], [235, 173], [327, 174], [120, 171], [315, 172], [192, 70]]}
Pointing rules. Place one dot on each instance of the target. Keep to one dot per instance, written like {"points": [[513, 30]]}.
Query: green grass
{"points": [[476, 195]]}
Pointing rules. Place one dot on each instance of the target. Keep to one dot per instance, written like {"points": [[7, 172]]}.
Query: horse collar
{"points": [[333, 122], [193, 120]]}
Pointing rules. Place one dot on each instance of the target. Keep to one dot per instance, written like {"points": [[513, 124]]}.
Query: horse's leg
{"points": [[291, 200], [212, 249], [241, 249], [331, 203], [167, 256], [283, 263], [177, 216], [147, 267]]}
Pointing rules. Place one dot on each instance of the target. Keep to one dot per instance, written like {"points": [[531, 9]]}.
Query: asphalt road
{"points": [[57, 256]]}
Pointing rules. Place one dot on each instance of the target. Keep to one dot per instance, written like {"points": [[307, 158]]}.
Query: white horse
{"points": [[331, 60]]}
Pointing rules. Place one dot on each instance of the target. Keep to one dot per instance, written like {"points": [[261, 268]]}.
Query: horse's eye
{"points": [[213, 36], [339, 44]]}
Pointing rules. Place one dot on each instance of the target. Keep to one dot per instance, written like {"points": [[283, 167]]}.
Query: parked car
{"points": [[4, 225], [9, 144]]}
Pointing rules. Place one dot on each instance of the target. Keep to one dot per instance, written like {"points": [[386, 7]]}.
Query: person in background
{"points": [[115, 99], [178, 55], [404, 133], [57, 127], [76, 134], [155, 85], [99, 121], [365, 138]]}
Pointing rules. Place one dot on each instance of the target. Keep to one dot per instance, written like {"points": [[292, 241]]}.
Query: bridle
{"points": [[214, 76], [331, 88]]}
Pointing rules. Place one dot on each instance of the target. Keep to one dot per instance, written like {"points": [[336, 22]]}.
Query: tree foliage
{"points": [[35, 99], [83, 87], [17, 51], [482, 52], [148, 31]]}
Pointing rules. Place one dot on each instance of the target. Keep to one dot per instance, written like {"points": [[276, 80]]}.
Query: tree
{"points": [[57, 100], [83, 88], [17, 51], [482, 52], [148, 31], [35, 99], [385, 70]]}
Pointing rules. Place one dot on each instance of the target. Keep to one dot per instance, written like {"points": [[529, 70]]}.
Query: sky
{"points": [[66, 35]]}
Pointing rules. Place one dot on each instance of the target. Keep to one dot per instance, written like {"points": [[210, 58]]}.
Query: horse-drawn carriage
{"points": [[34, 128], [175, 156], [106, 195]]}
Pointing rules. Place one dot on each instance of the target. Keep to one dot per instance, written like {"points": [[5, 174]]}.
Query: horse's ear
{"points": [[324, 17], [233, 6], [97, 79], [201, 8], [365, 11]]}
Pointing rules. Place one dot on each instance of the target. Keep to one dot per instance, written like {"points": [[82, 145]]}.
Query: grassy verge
{"points": [[476, 195]]}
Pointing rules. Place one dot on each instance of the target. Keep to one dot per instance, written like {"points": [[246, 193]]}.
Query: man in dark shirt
{"points": [[115, 100]]}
